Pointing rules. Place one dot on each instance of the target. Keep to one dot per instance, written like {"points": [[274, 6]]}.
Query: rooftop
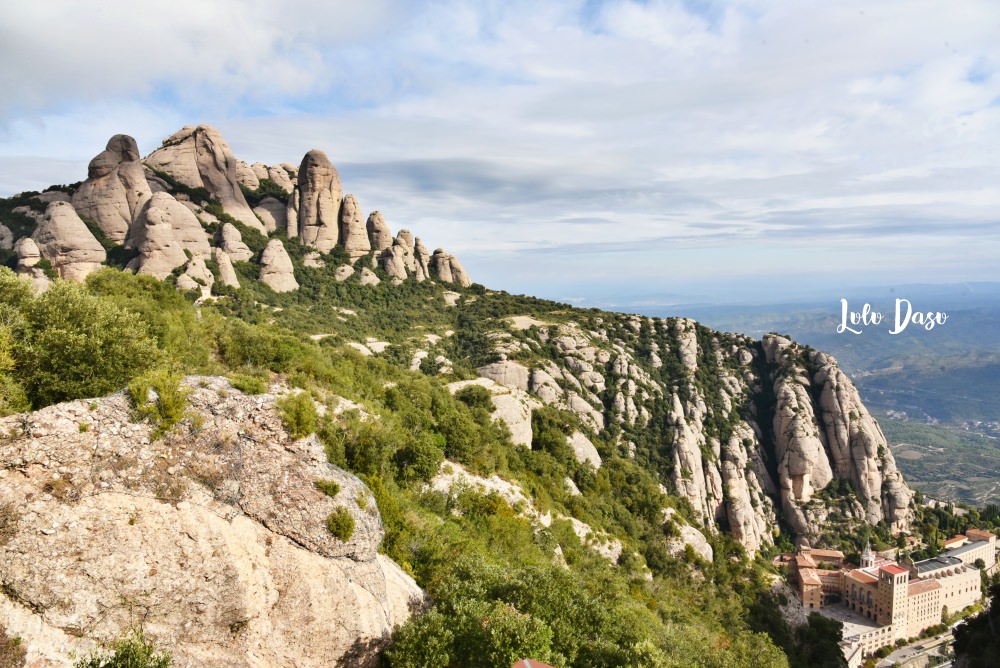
{"points": [[977, 534], [937, 563], [922, 586], [893, 569], [862, 576], [963, 549]]}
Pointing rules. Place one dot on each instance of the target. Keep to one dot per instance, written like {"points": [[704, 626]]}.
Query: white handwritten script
{"points": [[905, 315]]}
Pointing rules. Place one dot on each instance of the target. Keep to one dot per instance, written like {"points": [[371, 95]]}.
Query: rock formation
{"points": [[6, 238], [273, 213], [199, 157], [379, 236], [28, 257], [276, 269], [64, 240], [197, 276], [163, 230], [115, 190], [320, 195], [393, 262], [448, 268], [353, 235], [231, 241], [292, 214], [227, 275], [215, 537]]}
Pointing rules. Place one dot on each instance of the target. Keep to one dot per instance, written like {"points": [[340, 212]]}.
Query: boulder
{"points": [[246, 176], [273, 213], [116, 188], [353, 235], [199, 157], [276, 268], [343, 273], [584, 450], [379, 235], [507, 373], [320, 195], [6, 238], [187, 230], [227, 275], [197, 276], [28, 257], [231, 241], [66, 242], [368, 277]]}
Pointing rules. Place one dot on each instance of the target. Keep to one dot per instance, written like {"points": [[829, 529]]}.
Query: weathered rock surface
{"points": [[507, 373], [200, 158], [448, 268], [276, 269], [393, 260], [215, 537], [273, 213], [231, 241], [584, 450], [153, 236], [227, 275], [368, 277], [115, 190], [28, 257], [320, 195], [353, 233], [197, 276], [64, 240], [379, 236], [6, 238]]}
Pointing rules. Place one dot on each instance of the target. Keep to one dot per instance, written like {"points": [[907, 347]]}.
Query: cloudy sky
{"points": [[608, 153]]}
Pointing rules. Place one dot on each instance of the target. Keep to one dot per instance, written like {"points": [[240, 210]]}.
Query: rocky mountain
{"points": [[164, 211], [455, 425]]}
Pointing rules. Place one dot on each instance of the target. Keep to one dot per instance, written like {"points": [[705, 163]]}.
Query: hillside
{"points": [[551, 469]]}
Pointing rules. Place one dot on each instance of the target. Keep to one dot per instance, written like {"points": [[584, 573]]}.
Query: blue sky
{"points": [[609, 153]]}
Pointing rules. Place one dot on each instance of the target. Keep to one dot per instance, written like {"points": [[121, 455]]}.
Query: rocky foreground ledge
{"points": [[213, 538]]}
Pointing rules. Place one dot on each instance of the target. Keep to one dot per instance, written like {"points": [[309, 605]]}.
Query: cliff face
{"points": [[750, 433], [213, 537]]}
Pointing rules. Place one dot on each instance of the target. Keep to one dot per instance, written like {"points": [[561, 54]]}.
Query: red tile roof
{"points": [[893, 569], [862, 577], [921, 586]]}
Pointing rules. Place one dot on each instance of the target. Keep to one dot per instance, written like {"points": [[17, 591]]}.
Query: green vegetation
{"points": [[328, 487], [166, 408], [977, 643], [341, 524], [131, 651], [298, 414]]}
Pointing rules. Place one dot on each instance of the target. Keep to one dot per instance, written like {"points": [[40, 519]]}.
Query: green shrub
{"points": [[476, 396], [298, 414], [341, 524], [131, 651], [248, 384], [328, 487], [167, 408]]}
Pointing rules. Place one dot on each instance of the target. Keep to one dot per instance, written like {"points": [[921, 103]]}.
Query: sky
{"points": [[619, 154]]}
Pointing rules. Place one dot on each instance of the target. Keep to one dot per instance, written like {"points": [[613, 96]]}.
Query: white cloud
{"points": [[799, 125]]}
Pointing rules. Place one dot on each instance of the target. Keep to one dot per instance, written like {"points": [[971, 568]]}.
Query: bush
{"points": [[132, 651], [476, 396], [298, 414], [341, 524], [167, 409], [328, 487], [248, 384]]}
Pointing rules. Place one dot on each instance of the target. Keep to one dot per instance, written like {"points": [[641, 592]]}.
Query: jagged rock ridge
{"points": [[150, 206]]}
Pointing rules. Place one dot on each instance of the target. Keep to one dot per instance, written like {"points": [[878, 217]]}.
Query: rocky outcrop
{"points": [[584, 450], [273, 213], [292, 214], [368, 277], [231, 241], [6, 238], [153, 237], [197, 276], [227, 275], [379, 236], [64, 240], [511, 406], [320, 195], [214, 536], [448, 268], [507, 373], [199, 157], [28, 257], [115, 190], [393, 261], [353, 234], [276, 269]]}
